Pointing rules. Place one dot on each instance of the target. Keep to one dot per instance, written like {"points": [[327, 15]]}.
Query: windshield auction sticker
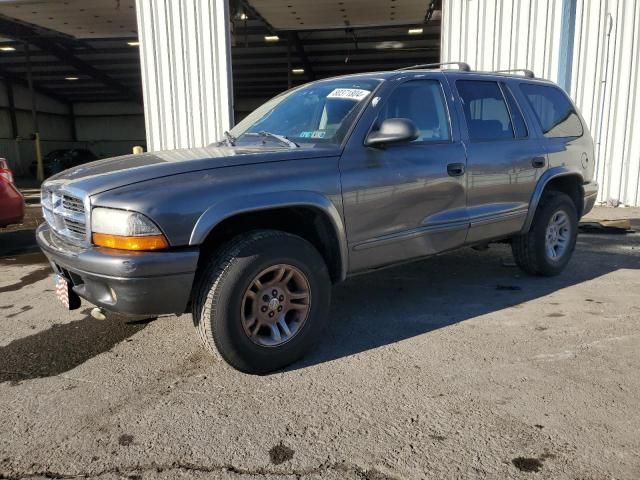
{"points": [[356, 94]]}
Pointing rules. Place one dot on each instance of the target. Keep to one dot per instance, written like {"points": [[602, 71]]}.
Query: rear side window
{"points": [[519, 125], [485, 110], [554, 111], [422, 102]]}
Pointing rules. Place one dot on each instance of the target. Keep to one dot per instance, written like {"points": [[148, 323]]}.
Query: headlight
{"points": [[125, 230]]}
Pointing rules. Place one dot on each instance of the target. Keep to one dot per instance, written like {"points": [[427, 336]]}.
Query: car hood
{"points": [[102, 175]]}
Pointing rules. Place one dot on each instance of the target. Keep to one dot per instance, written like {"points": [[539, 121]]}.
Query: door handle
{"points": [[538, 162], [455, 169]]}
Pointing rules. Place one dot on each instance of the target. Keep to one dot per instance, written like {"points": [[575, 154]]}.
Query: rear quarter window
{"points": [[554, 111]]}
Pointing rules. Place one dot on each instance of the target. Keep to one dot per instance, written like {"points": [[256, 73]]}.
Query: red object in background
{"points": [[11, 200]]}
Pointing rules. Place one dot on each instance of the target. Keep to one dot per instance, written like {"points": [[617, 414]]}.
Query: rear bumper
{"points": [[590, 194], [136, 283]]}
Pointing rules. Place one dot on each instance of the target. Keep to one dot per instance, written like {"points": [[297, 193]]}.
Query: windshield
{"points": [[318, 113]]}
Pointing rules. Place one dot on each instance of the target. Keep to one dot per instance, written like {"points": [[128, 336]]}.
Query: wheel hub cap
{"points": [[557, 235], [276, 305]]}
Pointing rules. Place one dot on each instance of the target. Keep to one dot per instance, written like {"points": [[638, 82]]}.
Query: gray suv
{"points": [[330, 179]]}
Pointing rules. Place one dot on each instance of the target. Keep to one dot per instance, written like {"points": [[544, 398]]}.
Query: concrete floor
{"points": [[455, 367]]}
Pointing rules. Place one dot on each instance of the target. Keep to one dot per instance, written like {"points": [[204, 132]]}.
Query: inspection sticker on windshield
{"points": [[356, 94], [314, 134]]}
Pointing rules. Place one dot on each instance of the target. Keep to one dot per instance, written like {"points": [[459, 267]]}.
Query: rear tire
{"points": [[233, 315], [547, 248]]}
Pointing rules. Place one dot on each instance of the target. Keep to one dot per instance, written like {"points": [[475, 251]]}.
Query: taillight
{"points": [[5, 172]]}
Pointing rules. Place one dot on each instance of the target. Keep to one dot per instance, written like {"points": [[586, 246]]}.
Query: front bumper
{"points": [[136, 283]]}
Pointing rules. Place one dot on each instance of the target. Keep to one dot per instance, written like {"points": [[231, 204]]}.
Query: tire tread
{"points": [[208, 293], [525, 247], [209, 304]]}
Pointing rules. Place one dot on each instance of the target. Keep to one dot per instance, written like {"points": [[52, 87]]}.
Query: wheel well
{"points": [[307, 222], [570, 185]]}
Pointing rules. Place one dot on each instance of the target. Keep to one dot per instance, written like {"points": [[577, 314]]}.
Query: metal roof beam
{"points": [[11, 77], [253, 13], [410, 41], [278, 65], [302, 55], [260, 30], [20, 63], [409, 52], [88, 82], [27, 33]]}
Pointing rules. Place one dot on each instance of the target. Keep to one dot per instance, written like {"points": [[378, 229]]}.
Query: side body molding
{"points": [[549, 175], [250, 203]]}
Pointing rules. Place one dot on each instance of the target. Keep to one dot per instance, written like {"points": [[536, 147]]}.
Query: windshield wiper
{"points": [[231, 140], [280, 138]]}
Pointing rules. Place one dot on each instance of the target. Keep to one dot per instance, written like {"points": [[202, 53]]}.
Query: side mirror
{"points": [[393, 130]]}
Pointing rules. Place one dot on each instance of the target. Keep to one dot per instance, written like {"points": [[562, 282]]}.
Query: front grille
{"points": [[73, 204], [65, 214], [75, 227]]}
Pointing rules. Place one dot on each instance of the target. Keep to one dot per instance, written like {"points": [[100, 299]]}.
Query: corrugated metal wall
{"points": [[186, 71], [590, 47], [502, 34], [606, 86]]}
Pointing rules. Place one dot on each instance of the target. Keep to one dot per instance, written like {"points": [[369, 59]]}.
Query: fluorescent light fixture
{"points": [[71, 78], [389, 45], [271, 38], [134, 43], [415, 31], [297, 71], [7, 49]]}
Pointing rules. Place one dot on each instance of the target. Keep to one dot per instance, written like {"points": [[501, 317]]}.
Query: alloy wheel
{"points": [[558, 235], [276, 305]]}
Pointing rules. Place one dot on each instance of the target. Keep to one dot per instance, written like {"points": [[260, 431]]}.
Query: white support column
{"points": [[186, 71]]}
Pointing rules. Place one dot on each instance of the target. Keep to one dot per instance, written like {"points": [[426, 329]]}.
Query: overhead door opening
{"points": [[279, 45]]}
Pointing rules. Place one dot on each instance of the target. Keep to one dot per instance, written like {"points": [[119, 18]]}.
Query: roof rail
{"points": [[525, 72], [461, 65]]}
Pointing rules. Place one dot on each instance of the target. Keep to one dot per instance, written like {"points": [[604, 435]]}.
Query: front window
{"points": [[422, 102], [316, 114]]}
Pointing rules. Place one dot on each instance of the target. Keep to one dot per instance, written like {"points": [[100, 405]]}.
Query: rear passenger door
{"points": [[504, 160]]}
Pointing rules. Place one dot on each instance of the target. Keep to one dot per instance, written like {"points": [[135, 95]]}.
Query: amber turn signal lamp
{"points": [[144, 243]]}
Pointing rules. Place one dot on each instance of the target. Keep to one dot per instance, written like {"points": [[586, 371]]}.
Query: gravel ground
{"points": [[455, 367]]}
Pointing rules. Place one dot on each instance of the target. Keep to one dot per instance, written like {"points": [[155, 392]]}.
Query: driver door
{"points": [[405, 200]]}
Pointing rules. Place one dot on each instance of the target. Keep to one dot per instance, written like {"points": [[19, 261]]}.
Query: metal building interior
{"points": [[77, 63]]}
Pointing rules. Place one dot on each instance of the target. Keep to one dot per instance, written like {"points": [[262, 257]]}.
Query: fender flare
{"points": [[550, 174], [230, 207]]}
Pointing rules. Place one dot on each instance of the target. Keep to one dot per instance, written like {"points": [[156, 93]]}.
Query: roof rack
{"points": [[461, 65], [525, 72]]}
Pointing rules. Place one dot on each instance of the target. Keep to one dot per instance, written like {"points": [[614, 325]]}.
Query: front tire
{"points": [[262, 301], [547, 248]]}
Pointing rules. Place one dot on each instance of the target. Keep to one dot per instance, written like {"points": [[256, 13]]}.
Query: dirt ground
{"points": [[459, 366]]}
